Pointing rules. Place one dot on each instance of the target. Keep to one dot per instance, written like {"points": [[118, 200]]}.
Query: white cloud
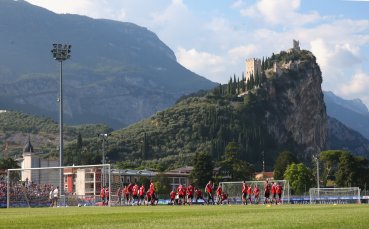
{"points": [[237, 4], [203, 63], [279, 12], [66, 6], [358, 85], [242, 52], [172, 12]]}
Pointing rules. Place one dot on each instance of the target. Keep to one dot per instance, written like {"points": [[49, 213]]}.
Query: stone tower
{"points": [[253, 66], [295, 47]]}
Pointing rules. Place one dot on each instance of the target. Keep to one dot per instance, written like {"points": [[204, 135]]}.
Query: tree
{"points": [[300, 177], [344, 169], [79, 148], [162, 184], [232, 166], [345, 174], [145, 148], [283, 160], [8, 163], [202, 169]]}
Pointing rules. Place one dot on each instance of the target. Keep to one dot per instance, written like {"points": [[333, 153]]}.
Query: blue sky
{"points": [[213, 38]]}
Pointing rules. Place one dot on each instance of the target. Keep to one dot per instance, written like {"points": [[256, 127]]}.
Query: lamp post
{"points": [[61, 53], [104, 138], [316, 157]]}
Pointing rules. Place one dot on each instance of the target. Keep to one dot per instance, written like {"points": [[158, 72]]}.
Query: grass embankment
{"points": [[292, 216]]}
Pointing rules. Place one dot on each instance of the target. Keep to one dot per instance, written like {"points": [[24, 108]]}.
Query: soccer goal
{"points": [[335, 195], [77, 186], [234, 190]]}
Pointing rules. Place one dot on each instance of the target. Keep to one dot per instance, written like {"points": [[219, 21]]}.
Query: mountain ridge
{"points": [[353, 113], [110, 63]]}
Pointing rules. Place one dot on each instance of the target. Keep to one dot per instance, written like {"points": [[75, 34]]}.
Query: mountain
{"points": [[277, 112], [343, 138], [281, 110], [118, 73], [355, 105], [353, 113]]}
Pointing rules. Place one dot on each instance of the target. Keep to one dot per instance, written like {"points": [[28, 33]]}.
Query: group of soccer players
{"points": [[185, 195], [269, 188], [133, 194]]}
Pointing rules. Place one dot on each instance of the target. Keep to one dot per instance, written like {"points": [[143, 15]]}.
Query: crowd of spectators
{"points": [[25, 194]]}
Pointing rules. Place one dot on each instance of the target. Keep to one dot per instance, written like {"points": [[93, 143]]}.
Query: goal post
{"points": [[33, 187], [234, 190], [335, 195]]}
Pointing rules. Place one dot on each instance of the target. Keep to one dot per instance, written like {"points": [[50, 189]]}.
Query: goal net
{"points": [[76, 186], [334, 195], [234, 190]]}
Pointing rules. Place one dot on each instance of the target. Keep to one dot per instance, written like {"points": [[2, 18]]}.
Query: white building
{"points": [[31, 159]]}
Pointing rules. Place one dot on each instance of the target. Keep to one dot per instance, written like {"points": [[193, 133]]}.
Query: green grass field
{"points": [[291, 216]]}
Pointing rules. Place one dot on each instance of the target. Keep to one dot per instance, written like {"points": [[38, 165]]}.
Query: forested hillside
{"points": [[274, 113], [16, 127]]}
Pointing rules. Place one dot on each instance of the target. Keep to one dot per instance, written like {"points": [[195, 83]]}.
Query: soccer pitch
{"points": [[285, 216]]}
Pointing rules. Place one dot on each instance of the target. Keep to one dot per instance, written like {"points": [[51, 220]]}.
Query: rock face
{"points": [[119, 73], [298, 115]]}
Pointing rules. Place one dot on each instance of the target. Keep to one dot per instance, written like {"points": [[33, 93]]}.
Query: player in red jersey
{"points": [[190, 192], [181, 194], [107, 195], [135, 193], [249, 193], [129, 190], [148, 198], [224, 197], [244, 193], [274, 192], [198, 194], [125, 194], [152, 193], [279, 192], [256, 194], [219, 194], [209, 190], [141, 193], [102, 195], [172, 196], [266, 192]]}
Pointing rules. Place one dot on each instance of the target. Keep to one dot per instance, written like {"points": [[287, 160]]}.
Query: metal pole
{"points": [[103, 161], [317, 171], [8, 190], [109, 177], [61, 183], [317, 174]]}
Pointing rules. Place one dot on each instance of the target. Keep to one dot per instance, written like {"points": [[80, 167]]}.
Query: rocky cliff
{"points": [[283, 111], [297, 114]]}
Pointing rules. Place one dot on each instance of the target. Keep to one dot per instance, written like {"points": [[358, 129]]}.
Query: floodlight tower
{"points": [[104, 138], [61, 53]]}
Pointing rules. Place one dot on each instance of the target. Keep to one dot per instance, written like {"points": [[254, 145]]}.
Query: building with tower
{"points": [[253, 67], [32, 159], [295, 47]]}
